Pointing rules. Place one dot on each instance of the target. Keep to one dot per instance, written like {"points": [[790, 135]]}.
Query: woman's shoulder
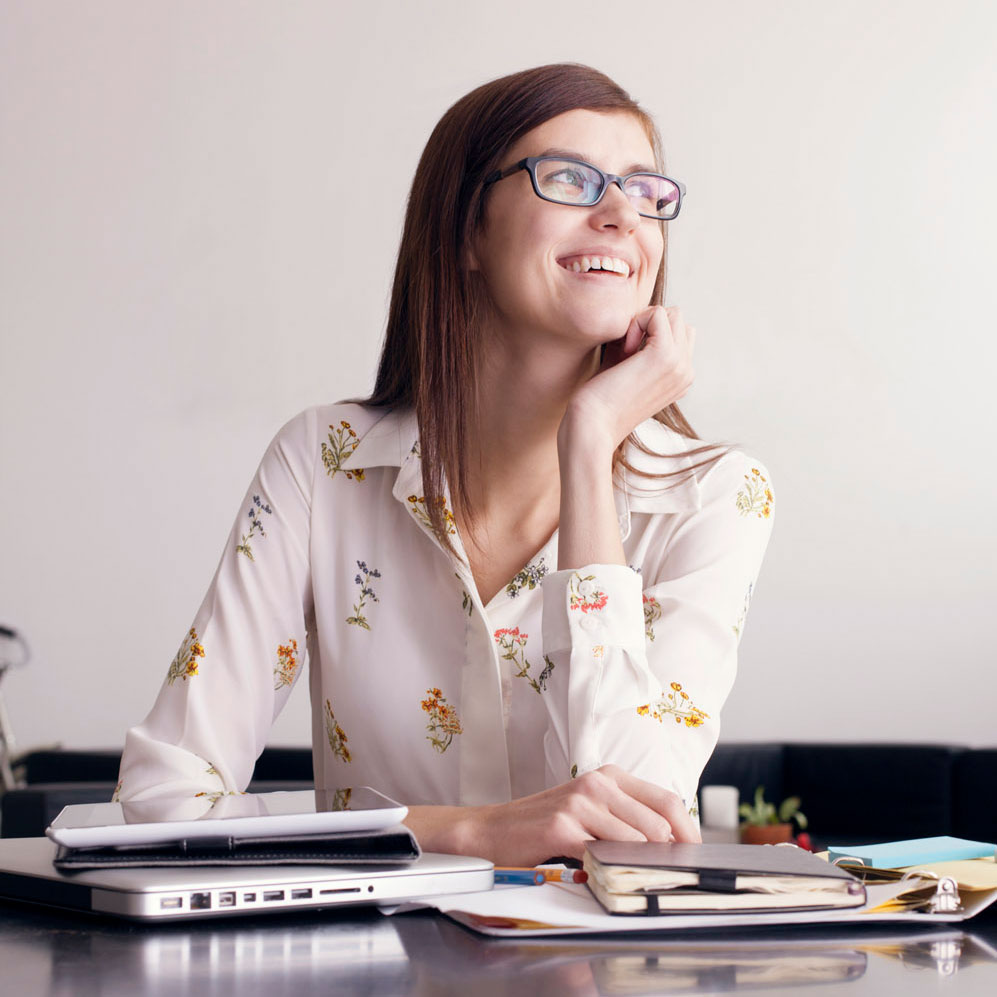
{"points": [[694, 473], [333, 423], [317, 420], [346, 436]]}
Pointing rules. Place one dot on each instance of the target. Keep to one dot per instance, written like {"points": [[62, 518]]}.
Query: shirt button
{"points": [[590, 624]]}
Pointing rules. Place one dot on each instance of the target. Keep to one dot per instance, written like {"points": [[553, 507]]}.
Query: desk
{"points": [[359, 951]]}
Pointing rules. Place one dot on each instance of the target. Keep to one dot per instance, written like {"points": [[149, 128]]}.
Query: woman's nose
{"points": [[615, 210]]}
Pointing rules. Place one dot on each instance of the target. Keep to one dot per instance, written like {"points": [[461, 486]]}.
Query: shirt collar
{"points": [[388, 442], [393, 441]]}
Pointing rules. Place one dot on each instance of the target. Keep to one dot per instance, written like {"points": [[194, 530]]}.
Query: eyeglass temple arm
{"points": [[502, 174]]}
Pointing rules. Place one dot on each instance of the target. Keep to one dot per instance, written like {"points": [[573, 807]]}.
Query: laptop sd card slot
{"points": [[348, 889]]}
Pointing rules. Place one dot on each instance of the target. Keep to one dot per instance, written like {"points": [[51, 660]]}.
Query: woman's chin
{"points": [[600, 330]]}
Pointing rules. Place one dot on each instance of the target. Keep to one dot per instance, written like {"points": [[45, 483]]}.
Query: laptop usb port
{"points": [[301, 894], [269, 896], [226, 899], [249, 898], [200, 901], [171, 903]]}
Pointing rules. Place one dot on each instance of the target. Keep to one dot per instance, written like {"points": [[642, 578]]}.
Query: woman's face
{"points": [[527, 246]]}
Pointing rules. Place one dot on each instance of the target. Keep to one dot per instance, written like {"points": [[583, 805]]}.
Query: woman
{"points": [[519, 578]]}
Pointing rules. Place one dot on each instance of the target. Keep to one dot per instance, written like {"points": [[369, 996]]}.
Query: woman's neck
{"points": [[522, 397]]}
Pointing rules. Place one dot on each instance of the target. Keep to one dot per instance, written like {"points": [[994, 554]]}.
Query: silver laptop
{"points": [[164, 894]]}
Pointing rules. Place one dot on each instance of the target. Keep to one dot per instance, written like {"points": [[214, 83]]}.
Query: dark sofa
{"points": [[877, 792]]}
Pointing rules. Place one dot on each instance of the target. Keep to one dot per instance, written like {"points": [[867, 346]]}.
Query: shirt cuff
{"points": [[594, 606]]}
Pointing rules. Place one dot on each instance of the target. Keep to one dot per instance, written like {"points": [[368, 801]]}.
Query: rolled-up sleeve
{"points": [[643, 661]]}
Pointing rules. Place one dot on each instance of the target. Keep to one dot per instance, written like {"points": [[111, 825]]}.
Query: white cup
{"points": [[718, 806]]}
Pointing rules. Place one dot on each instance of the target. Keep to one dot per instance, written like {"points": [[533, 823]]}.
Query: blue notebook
{"points": [[917, 851]]}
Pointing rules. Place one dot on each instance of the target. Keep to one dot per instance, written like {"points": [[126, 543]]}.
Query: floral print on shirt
{"points": [[342, 444], [756, 496], [512, 644], [676, 704], [529, 578], [336, 735], [215, 796], [380, 731], [256, 509], [444, 724], [652, 613], [184, 665], [417, 505], [584, 593], [287, 664], [366, 592]]}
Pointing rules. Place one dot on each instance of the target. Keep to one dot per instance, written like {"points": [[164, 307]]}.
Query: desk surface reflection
{"points": [[360, 951]]}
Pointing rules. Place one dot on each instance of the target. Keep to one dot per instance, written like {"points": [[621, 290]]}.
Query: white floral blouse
{"points": [[417, 688]]}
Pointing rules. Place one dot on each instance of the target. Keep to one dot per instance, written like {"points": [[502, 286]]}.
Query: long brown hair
{"points": [[428, 360]]}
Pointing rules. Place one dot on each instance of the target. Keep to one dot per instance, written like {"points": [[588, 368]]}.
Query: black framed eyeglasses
{"points": [[571, 181]]}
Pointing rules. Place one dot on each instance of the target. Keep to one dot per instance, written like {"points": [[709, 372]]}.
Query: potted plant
{"points": [[765, 824]]}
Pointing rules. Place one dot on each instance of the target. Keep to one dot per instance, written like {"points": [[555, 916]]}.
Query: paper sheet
{"points": [[564, 908]]}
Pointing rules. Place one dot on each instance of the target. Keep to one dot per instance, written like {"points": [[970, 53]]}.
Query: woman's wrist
{"points": [[586, 436], [451, 830]]}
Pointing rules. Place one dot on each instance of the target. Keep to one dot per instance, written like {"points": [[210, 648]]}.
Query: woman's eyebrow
{"points": [[574, 154]]}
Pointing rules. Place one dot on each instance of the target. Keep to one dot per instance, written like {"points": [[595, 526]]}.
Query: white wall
{"points": [[188, 259]]}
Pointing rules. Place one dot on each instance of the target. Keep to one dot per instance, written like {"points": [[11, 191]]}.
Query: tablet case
{"points": [[392, 846]]}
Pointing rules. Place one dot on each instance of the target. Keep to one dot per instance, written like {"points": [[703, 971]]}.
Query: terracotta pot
{"points": [[769, 834]]}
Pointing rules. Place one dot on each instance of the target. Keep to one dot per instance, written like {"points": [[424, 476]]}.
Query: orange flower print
{"points": [[342, 443], [184, 665], [336, 735], [652, 613], [584, 593], [512, 645], [417, 506], [444, 724], [756, 496], [676, 704], [215, 796], [287, 664], [257, 509]]}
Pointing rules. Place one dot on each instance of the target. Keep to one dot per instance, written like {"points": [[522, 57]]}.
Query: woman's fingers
{"points": [[662, 802], [610, 803]]}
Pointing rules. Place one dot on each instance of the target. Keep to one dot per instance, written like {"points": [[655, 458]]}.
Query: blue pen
{"points": [[520, 877]]}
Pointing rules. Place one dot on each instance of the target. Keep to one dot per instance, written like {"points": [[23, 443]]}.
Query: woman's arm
{"points": [[646, 371], [644, 661], [245, 649], [605, 804]]}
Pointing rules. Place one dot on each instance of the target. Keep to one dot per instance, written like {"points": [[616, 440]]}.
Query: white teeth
{"points": [[608, 263]]}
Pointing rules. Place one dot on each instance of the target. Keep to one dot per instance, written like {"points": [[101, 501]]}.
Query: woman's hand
{"points": [[605, 804], [646, 370]]}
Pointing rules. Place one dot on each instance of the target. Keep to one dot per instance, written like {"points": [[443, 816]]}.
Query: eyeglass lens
{"points": [[571, 182]]}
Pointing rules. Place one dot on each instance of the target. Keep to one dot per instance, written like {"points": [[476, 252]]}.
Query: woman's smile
{"points": [[597, 261]]}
